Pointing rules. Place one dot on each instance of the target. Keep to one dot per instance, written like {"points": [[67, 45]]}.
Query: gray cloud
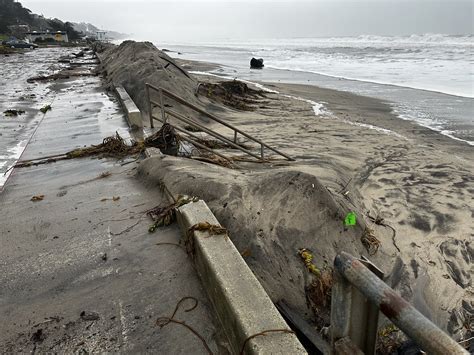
{"points": [[199, 20]]}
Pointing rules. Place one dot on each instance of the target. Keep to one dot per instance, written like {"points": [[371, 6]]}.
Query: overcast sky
{"points": [[180, 20]]}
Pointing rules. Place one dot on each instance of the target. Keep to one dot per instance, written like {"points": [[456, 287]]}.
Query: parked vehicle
{"points": [[19, 44]]}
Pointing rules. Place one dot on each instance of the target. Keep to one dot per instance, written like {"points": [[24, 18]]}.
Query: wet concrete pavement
{"points": [[17, 93], [76, 251]]}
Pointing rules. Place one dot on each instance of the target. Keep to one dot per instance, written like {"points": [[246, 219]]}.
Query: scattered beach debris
{"points": [[256, 63], [214, 159], [166, 139], [246, 253], [103, 175], [369, 240], [212, 229], [66, 74], [37, 198], [192, 128], [343, 191], [165, 215], [38, 336], [89, 316], [350, 219], [318, 293], [115, 198], [390, 338], [235, 94], [12, 112], [307, 257], [164, 321], [45, 108], [381, 222]]}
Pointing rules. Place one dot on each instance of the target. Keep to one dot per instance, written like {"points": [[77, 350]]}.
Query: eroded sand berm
{"points": [[273, 210], [133, 64]]}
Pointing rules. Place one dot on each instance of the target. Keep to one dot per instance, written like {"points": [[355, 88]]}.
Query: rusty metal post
{"points": [[163, 116], [150, 113], [430, 338], [340, 308]]}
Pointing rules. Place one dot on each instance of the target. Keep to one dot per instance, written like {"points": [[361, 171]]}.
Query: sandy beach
{"points": [[418, 181], [410, 187]]}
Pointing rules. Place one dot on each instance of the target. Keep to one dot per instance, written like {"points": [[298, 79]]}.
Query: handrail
{"points": [[162, 92], [351, 271], [207, 130]]}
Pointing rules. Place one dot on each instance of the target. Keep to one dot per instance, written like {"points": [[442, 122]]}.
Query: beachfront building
{"points": [[47, 36], [101, 36]]}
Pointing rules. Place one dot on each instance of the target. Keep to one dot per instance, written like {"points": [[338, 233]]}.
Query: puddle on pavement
{"points": [[82, 113]]}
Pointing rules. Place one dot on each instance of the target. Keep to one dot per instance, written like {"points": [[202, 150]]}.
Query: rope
{"points": [[164, 321]]}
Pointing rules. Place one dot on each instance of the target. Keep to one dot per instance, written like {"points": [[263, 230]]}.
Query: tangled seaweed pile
{"points": [[114, 146], [166, 140], [235, 94], [13, 113]]}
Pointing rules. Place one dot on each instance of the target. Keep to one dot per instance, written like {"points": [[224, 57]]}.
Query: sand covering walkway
{"points": [[410, 187]]}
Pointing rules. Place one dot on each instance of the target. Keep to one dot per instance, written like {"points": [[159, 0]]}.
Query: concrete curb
{"points": [[239, 300], [134, 116]]}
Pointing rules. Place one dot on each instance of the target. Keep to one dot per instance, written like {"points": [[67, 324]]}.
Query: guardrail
{"points": [[353, 326], [231, 142]]}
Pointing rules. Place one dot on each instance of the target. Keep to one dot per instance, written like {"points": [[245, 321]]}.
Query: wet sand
{"points": [[420, 182], [354, 156]]}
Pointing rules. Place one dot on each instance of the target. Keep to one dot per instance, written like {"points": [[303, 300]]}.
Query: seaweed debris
{"points": [[370, 242], [45, 108], [12, 112], [66, 74], [235, 94], [114, 146], [165, 215]]}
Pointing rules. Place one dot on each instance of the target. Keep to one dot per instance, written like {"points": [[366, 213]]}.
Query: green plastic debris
{"points": [[350, 219]]}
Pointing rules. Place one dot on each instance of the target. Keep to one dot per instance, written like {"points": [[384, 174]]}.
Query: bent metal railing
{"points": [[231, 142], [352, 316]]}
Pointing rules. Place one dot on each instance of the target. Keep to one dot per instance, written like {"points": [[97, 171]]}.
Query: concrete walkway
{"points": [[74, 252]]}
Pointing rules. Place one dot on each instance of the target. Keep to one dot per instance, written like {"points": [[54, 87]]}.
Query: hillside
{"points": [[15, 20], [89, 30]]}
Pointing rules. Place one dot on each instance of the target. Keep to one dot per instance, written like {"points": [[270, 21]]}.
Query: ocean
{"points": [[428, 79]]}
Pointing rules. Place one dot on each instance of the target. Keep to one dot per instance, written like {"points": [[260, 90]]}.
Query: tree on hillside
{"points": [[72, 34], [13, 13]]}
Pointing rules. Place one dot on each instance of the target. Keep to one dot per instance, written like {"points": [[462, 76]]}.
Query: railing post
{"points": [[261, 150], [366, 285], [163, 116], [150, 113], [235, 136]]}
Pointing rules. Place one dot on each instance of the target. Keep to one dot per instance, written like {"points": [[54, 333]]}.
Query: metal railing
{"points": [[231, 142], [353, 317]]}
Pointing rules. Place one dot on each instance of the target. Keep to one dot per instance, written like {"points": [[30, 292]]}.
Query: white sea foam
{"points": [[375, 128], [434, 62]]}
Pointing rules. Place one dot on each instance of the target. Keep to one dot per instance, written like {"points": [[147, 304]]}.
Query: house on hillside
{"points": [[47, 36], [101, 36]]}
